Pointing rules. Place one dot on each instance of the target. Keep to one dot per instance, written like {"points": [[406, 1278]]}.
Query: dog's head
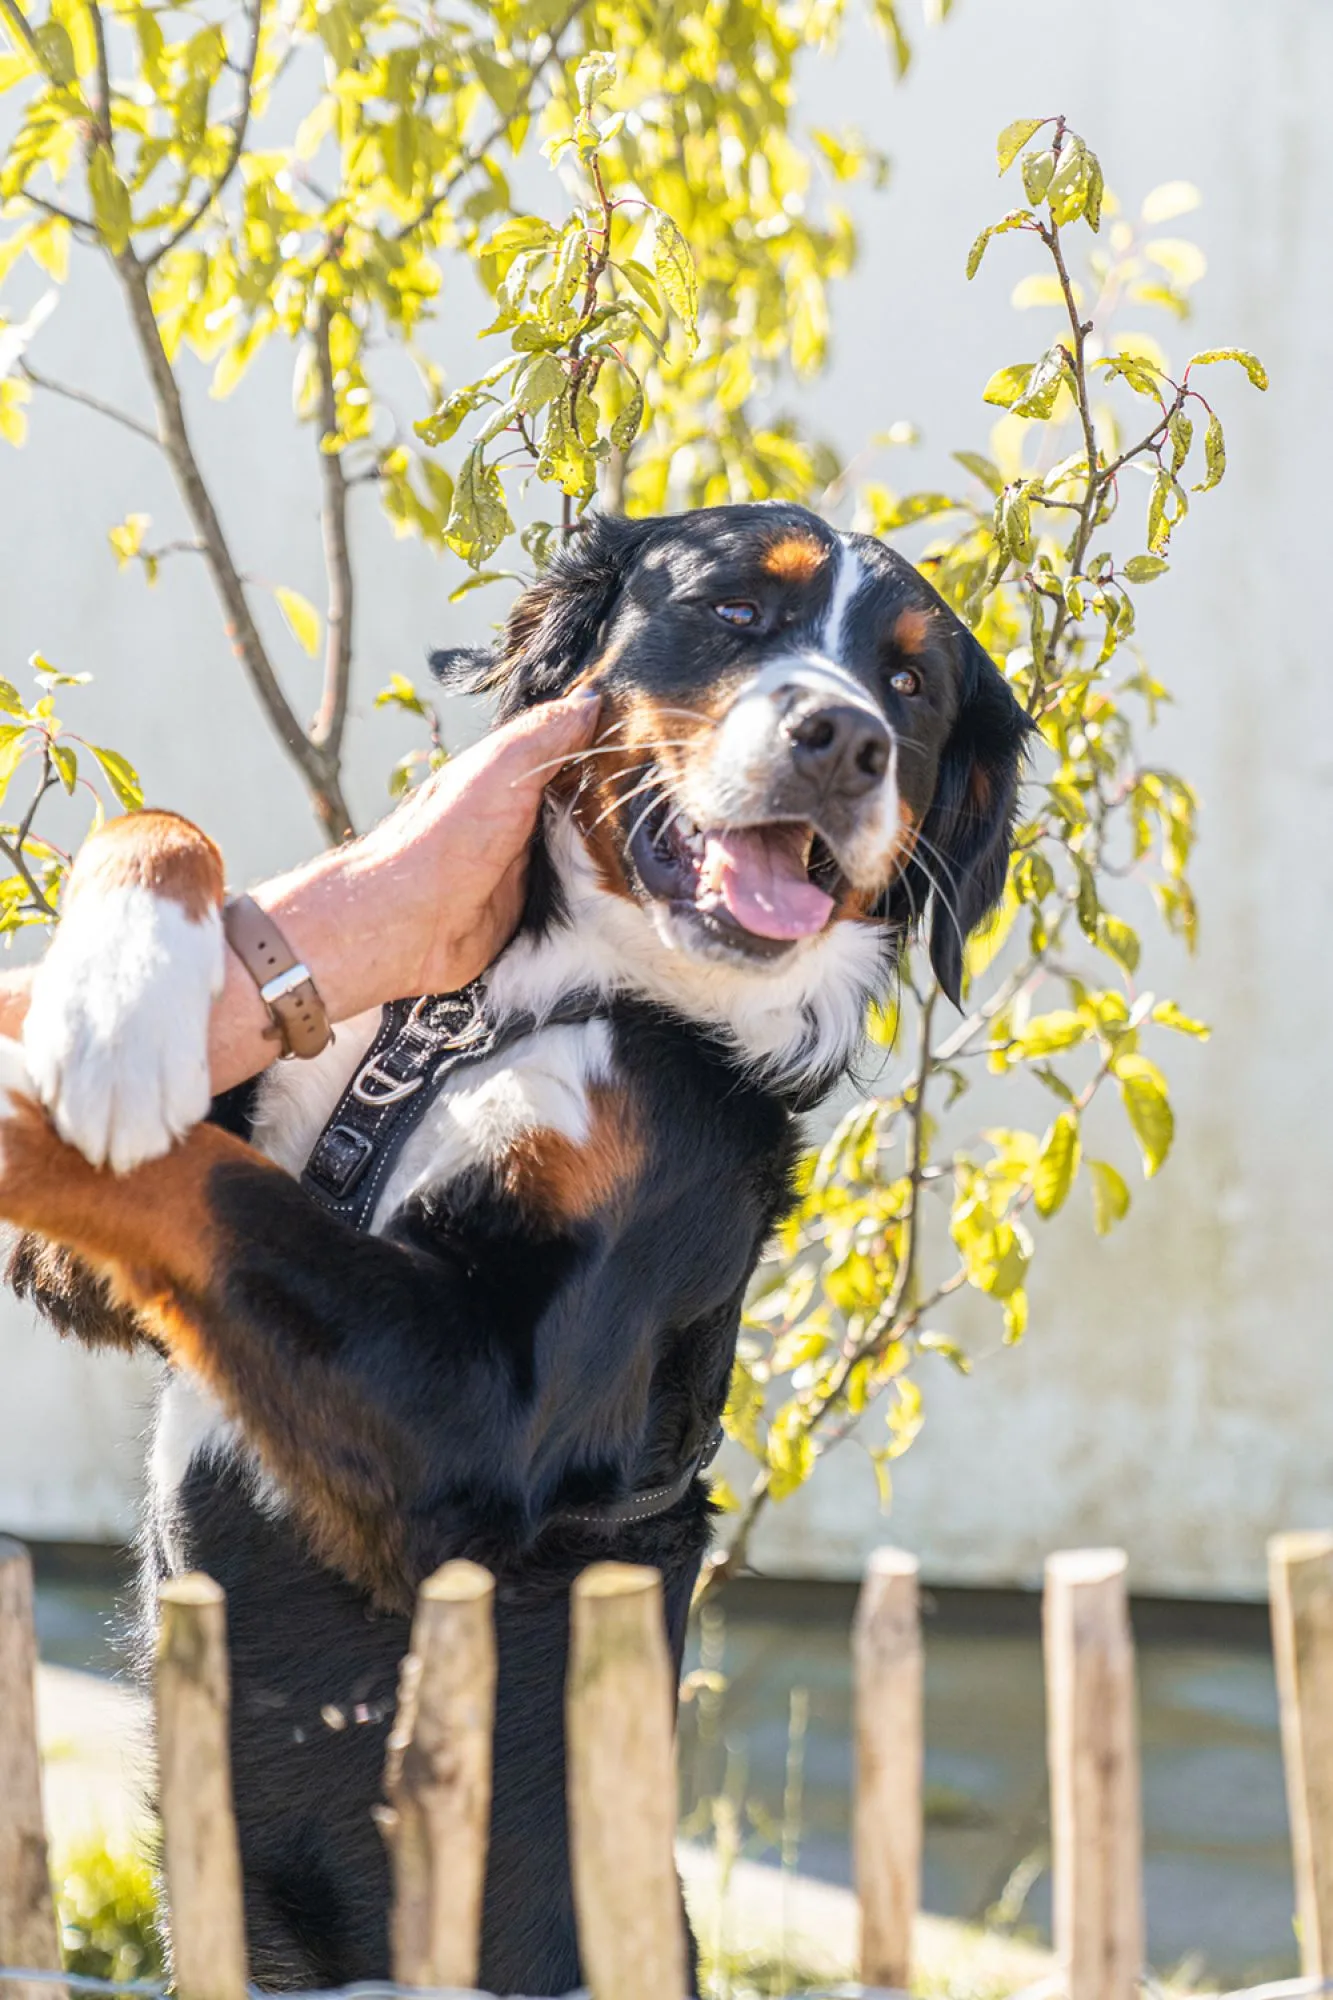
{"points": [[796, 732]]}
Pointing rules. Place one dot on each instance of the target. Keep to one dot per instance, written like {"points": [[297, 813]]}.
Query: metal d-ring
{"points": [[391, 1091]]}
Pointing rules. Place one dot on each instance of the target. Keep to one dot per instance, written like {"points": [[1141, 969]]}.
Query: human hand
{"points": [[441, 880]]}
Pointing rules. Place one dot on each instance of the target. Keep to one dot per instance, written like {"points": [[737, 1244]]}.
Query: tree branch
{"points": [[53, 209], [89, 402], [327, 730], [317, 766], [18, 21], [240, 126], [102, 109]]}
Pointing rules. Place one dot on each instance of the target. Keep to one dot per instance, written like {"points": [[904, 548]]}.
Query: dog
{"points": [[800, 750]]}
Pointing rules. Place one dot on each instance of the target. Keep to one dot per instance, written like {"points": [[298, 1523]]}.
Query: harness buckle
{"points": [[389, 1090]]}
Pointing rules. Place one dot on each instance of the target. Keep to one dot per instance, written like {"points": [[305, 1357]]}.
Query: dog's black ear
{"points": [[968, 832], [553, 628]]}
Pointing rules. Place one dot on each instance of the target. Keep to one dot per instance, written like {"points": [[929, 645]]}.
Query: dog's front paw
{"points": [[116, 1037]]}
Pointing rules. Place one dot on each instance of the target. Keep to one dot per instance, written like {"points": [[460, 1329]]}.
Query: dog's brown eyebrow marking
{"points": [[795, 559], [911, 633]]}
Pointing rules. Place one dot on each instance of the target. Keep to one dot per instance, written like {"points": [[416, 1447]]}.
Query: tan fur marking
{"points": [[979, 789], [153, 1227], [153, 1235], [156, 851], [631, 735], [857, 904], [565, 1182], [796, 558], [911, 633]]}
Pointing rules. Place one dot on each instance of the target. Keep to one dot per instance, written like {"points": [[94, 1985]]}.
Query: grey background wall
{"points": [[1173, 1392]]}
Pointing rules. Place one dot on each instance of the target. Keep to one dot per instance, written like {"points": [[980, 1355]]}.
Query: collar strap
{"points": [[650, 1500]]}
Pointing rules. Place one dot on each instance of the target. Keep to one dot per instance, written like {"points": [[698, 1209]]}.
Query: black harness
{"points": [[419, 1045]]}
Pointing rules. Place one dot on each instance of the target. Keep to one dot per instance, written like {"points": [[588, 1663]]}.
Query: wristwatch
{"points": [[286, 986]]}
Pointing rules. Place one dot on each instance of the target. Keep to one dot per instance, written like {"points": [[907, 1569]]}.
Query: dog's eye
{"points": [[905, 682], [736, 611]]}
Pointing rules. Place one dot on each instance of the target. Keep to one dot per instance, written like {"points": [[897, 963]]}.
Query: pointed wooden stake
{"points": [[199, 1844], [438, 1780], [888, 1668], [28, 1934], [622, 1787]]}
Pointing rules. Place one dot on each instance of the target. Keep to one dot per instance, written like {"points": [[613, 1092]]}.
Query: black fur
{"points": [[454, 1386]]}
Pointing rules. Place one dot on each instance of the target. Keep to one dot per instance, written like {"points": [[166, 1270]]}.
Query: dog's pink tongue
{"points": [[761, 878]]}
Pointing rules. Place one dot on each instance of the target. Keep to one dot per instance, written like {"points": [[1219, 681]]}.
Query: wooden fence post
{"points": [[28, 1934], [199, 1845], [888, 1666], [438, 1780], [622, 1787], [1300, 1584], [1092, 1746]]}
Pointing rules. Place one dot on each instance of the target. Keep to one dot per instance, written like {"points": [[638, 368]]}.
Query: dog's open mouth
{"points": [[761, 886]]}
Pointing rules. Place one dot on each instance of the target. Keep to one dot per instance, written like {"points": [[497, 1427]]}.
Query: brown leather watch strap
{"points": [[285, 985]]}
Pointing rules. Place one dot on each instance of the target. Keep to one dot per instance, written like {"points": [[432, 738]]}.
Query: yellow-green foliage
{"points": [[106, 1910], [650, 309]]}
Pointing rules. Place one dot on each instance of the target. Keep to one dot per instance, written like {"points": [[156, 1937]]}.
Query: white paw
{"points": [[116, 1037]]}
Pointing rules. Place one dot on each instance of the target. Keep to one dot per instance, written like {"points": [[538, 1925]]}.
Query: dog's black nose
{"points": [[842, 747]]}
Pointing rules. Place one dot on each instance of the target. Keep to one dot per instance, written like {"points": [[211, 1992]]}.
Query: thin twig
{"points": [[82, 223], [89, 402], [317, 768], [327, 730], [102, 109], [240, 126]]}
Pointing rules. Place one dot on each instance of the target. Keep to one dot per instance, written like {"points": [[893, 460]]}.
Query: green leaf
{"points": [[1148, 1108], [1142, 569], [400, 693], [1037, 171], [479, 519], [111, 201], [628, 423], [1060, 1029], [1215, 455], [1013, 139], [1168, 1015], [303, 621], [1110, 1196], [674, 266], [10, 701], [121, 776], [127, 538], [1251, 363], [1042, 386], [1006, 385], [980, 468], [66, 762], [538, 382], [1057, 1165]]}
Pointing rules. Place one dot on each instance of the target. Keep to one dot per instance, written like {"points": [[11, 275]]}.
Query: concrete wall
{"points": [[1172, 1390]]}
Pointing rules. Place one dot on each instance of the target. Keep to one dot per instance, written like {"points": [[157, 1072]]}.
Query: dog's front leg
{"points": [[324, 1346], [116, 1036]]}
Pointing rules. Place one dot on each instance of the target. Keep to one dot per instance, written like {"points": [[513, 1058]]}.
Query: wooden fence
{"points": [[622, 1785]]}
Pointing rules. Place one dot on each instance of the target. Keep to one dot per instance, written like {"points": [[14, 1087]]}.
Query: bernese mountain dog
{"points": [[800, 750]]}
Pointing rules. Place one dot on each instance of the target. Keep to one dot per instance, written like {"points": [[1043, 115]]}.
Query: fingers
{"points": [[527, 752]]}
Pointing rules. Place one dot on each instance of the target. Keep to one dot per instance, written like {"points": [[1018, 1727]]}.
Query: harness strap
{"points": [[419, 1045]]}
